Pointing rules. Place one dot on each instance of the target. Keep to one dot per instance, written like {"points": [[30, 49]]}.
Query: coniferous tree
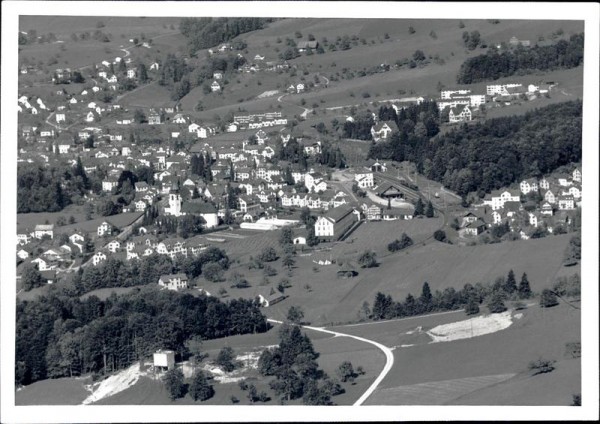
{"points": [[510, 285], [429, 210], [524, 288], [419, 207]]}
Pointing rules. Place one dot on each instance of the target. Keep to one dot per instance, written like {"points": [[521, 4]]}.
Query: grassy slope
{"points": [[539, 333], [62, 391]]}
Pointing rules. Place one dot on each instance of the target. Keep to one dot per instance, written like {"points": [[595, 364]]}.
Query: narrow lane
{"points": [[389, 357]]}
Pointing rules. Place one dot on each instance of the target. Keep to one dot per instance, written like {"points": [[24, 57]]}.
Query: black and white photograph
{"points": [[284, 211]]}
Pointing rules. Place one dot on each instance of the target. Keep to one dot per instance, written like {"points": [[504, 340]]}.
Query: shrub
{"points": [[541, 366], [174, 383], [496, 303], [548, 299], [346, 372], [225, 359], [573, 349]]}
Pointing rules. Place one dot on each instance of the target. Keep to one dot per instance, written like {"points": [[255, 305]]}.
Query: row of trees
{"points": [[469, 297], [59, 336], [493, 65]]}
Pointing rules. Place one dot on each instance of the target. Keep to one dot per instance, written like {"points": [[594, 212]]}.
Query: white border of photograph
{"points": [[530, 11]]}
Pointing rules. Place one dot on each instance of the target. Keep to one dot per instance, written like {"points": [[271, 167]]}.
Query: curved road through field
{"points": [[389, 357]]}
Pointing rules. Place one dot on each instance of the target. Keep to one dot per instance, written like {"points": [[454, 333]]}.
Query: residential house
{"points": [[460, 113], [131, 73], [577, 175], [373, 213], [42, 230], [529, 185], [215, 86], [383, 130], [566, 203], [154, 119], [550, 197], [173, 281], [473, 228], [104, 229], [98, 257]]}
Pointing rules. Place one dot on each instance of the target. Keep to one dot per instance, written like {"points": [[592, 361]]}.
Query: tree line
{"points": [[202, 33], [469, 297], [59, 336], [493, 65], [495, 153]]}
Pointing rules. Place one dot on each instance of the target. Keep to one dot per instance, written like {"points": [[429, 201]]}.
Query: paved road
{"points": [[389, 357]]}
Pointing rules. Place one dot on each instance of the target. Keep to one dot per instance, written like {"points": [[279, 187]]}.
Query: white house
{"points": [[104, 229], [42, 230], [164, 359], [215, 86], [364, 179], [131, 73], [173, 281], [98, 257], [460, 113], [60, 117]]}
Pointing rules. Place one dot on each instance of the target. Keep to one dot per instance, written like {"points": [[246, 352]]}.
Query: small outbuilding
{"points": [[164, 359]]}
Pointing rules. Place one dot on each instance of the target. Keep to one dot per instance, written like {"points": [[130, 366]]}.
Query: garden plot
{"points": [[473, 327]]}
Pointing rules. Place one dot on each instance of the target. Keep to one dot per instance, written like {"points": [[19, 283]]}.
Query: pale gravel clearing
{"points": [[473, 327]]}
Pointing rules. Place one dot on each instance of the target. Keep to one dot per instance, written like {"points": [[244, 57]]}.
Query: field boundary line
{"points": [[386, 350]]}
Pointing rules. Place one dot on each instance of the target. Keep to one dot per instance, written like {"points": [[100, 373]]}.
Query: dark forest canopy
{"points": [[494, 65], [58, 336], [497, 152], [202, 33]]}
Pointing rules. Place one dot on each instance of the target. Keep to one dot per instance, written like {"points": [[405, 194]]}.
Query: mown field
{"points": [[61, 391], [539, 333]]}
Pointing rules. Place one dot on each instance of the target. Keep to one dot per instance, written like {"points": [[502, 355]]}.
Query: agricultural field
{"points": [[537, 333]]}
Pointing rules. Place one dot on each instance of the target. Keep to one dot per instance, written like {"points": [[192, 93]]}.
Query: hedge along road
{"points": [[389, 358]]}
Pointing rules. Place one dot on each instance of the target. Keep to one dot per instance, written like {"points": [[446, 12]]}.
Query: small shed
{"points": [[347, 270], [164, 359]]}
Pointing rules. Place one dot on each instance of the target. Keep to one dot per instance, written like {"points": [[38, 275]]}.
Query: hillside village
{"points": [[96, 134], [204, 199]]}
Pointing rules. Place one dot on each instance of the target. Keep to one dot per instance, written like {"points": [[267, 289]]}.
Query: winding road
{"points": [[389, 357]]}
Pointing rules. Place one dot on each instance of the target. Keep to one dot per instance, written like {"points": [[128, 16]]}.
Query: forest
{"points": [[62, 336], [493, 65], [495, 153], [202, 33]]}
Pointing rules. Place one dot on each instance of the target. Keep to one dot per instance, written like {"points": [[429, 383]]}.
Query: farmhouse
{"points": [[272, 297], [305, 45], [173, 281], [104, 229], [337, 221], [215, 86]]}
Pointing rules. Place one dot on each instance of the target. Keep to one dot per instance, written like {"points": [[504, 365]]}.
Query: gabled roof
{"points": [[198, 207]]}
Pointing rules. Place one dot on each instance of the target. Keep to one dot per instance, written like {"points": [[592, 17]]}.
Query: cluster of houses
{"points": [[463, 104], [538, 203]]}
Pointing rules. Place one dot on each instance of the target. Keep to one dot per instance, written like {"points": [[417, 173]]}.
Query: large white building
{"points": [[173, 281], [500, 89], [364, 179]]}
